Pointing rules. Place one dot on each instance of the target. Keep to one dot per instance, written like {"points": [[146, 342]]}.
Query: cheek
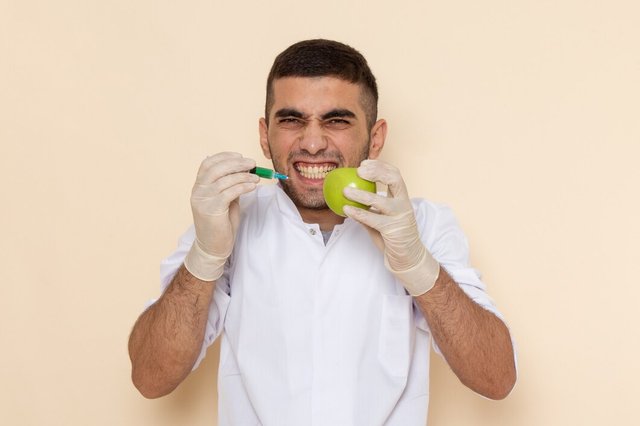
{"points": [[353, 144], [277, 149], [281, 141]]}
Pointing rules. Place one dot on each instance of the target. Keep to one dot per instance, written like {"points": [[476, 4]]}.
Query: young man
{"points": [[324, 320]]}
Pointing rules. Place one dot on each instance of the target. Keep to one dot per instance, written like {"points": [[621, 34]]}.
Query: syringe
{"points": [[267, 173]]}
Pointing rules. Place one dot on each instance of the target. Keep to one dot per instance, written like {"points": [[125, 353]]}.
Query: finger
{"points": [[234, 192], [219, 204], [212, 190], [230, 180], [368, 218], [219, 157], [225, 155], [214, 170], [378, 202], [385, 173]]}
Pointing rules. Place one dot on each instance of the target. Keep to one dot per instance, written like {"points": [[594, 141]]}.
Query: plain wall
{"points": [[522, 116]]}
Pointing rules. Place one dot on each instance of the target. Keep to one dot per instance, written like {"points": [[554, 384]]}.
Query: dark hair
{"points": [[324, 58]]}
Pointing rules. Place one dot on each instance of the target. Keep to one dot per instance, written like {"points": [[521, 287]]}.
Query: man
{"points": [[324, 320]]}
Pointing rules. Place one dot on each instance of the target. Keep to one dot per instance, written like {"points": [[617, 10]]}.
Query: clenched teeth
{"points": [[314, 172]]}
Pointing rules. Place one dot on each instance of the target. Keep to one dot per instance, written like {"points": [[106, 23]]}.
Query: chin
{"points": [[313, 201]]}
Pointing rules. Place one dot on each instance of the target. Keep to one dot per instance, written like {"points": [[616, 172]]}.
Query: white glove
{"points": [[221, 179], [392, 225]]}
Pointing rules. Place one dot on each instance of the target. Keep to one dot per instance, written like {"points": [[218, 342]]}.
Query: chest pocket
{"points": [[396, 334]]}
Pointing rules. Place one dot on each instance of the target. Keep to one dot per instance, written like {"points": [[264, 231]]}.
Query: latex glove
{"points": [[392, 225], [221, 179]]}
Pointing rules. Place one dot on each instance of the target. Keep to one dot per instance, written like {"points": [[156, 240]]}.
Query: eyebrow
{"points": [[334, 113], [289, 112]]}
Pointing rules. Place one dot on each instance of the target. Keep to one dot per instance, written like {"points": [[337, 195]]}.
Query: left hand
{"points": [[392, 225]]}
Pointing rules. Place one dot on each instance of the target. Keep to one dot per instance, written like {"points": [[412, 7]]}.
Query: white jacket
{"points": [[322, 335]]}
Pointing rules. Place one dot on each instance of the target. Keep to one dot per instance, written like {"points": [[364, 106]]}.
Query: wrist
{"points": [[420, 278], [202, 265]]}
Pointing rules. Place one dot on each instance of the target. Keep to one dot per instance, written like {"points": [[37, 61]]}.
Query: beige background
{"points": [[523, 116]]}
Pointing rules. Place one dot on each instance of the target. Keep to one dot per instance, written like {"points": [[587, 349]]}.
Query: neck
{"points": [[325, 218]]}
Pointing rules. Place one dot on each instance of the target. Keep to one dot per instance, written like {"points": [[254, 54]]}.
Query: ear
{"points": [[378, 136], [264, 138]]}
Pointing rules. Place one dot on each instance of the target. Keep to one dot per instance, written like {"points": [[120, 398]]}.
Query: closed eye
{"points": [[338, 119], [338, 123], [290, 122]]}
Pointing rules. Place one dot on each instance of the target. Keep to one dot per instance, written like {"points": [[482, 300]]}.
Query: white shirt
{"points": [[322, 335]]}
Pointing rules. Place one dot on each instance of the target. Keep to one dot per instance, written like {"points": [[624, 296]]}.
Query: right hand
{"points": [[221, 179]]}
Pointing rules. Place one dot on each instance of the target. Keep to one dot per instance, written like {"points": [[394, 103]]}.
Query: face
{"points": [[315, 125]]}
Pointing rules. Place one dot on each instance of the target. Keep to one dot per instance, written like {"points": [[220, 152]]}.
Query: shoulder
{"points": [[440, 231], [433, 215]]}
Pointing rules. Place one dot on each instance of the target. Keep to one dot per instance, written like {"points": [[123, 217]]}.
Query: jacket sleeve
{"points": [[446, 242], [220, 301]]}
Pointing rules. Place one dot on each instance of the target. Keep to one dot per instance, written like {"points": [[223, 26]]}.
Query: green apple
{"points": [[338, 179]]}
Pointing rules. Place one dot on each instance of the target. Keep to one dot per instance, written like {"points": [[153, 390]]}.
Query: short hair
{"points": [[326, 58]]}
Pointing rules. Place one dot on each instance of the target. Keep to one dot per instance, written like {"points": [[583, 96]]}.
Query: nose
{"points": [[313, 139]]}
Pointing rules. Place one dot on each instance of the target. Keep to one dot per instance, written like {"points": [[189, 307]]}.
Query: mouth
{"points": [[314, 171]]}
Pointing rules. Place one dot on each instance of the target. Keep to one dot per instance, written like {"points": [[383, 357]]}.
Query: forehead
{"points": [[316, 94]]}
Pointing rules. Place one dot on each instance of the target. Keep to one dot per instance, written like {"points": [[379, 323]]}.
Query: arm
{"points": [[475, 342], [167, 338]]}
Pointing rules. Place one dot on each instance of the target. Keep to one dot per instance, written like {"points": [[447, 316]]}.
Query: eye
{"points": [[338, 123], [290, 122]]}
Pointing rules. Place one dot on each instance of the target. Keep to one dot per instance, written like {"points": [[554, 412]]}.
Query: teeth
{"points": [[315, 172]]}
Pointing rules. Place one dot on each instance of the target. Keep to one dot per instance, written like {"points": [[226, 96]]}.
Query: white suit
{"points": [[322, 335]]}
